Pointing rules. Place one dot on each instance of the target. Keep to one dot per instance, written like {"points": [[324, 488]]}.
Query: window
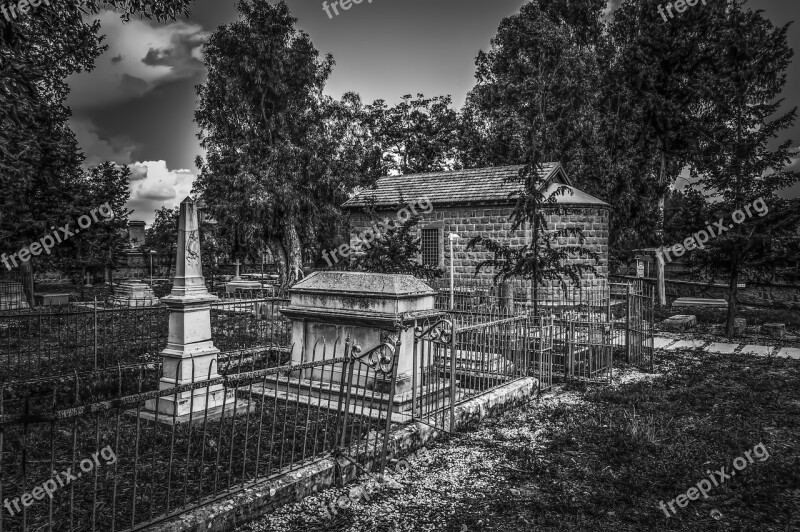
{"points": [[430, 247]]}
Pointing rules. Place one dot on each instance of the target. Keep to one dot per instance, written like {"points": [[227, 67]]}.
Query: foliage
{"points": [[738, 119], [280, 155], [416, 135], [39, 156], [396, 250], [525, 108]]}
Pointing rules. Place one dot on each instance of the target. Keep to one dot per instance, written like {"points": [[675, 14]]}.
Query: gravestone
{"points": [[133, 293], [190, 355], [331, 306], [237, 284]]}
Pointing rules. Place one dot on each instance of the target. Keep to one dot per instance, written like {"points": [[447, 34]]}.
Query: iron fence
{"points": [[592, 324], [158, 463], [454, 361], [60, 340]]}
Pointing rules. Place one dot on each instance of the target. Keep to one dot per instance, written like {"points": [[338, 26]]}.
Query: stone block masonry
{"points": [[495, 222]]}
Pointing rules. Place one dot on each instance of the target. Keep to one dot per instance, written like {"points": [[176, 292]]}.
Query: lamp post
{"points": [[152, 252], [452, 238]]}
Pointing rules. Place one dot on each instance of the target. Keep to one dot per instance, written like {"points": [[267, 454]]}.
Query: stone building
{"points": [[474, 203]]}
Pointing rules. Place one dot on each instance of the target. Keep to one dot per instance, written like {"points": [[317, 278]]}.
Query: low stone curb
{"points": [[263, 497]]}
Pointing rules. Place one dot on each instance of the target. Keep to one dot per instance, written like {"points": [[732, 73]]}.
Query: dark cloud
{"points": [[133, 85], [118, 58]]}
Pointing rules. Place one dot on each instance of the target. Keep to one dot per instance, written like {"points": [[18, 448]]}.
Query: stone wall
{"points": [[494, 222], [756, 295]]}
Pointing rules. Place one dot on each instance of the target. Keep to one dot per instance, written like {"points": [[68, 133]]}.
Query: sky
{"points": [[137, 106]]}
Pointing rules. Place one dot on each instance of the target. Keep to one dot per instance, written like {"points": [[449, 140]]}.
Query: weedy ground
{"points": [[600, 458]]}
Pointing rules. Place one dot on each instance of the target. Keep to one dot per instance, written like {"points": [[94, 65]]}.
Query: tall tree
{"points": [[39, 157], [526, 108], [739, 118], [280, 154]]}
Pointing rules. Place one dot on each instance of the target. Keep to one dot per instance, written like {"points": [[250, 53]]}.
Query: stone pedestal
{"points": [[332, 306], [190, 355], [134, 293]]}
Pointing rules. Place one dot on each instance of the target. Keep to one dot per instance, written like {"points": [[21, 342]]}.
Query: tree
{"points": [[416, 135], [162, 235], [40, 161], [526, 108], [280, 154], [735, 162], [396, 250], [108, 190]]}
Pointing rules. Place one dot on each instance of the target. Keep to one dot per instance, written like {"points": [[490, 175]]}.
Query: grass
{"points": [[602, 457]]}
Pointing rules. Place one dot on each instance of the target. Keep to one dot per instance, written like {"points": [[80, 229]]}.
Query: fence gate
{"points": [[433, 390], [366, 402], [459, 357], [640, 299]]}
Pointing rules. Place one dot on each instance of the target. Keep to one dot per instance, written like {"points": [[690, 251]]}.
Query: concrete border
{"points": [[255, 500]]}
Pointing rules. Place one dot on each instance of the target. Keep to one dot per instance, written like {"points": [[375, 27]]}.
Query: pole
{"points": [[452, 281]]}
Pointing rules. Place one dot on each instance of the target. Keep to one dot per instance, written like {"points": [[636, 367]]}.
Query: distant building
{"points": [[477, 202]]}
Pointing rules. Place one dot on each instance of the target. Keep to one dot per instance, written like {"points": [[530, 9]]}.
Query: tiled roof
{"points": [[474, 186]]}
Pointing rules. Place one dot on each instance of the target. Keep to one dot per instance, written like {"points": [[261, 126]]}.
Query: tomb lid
{"points": [[363, 284]]}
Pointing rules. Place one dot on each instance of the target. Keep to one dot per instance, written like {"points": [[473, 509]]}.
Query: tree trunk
{"points": [[294, 253], [662, 202], [733, 293], [281, 263]]}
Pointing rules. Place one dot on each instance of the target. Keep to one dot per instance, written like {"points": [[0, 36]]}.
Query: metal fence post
{"points": [[95, 333], [628, 322], [453, 377]]}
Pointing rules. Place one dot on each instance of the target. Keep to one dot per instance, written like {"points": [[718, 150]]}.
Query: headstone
{"points": [[774, 330], [190, 354], [136, 234], [237, 284], [680, 322], [133, 293], [739, 326]]}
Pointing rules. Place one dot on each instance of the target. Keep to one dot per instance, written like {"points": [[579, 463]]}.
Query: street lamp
{"points": [[152, 252], [452, 237]]}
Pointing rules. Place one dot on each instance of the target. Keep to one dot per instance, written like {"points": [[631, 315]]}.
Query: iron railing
{"points": [[125, 463], [51, 341], [454, 361]]}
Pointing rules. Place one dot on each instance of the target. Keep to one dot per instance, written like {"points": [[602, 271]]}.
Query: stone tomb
{"points": [[369, 308], [134, 293]]}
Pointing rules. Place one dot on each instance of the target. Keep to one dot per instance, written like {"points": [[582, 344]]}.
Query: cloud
{"points": [[141, 57], [153, 186], [99, 150]]}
